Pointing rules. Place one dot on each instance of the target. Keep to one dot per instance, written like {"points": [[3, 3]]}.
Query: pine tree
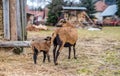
{"points": [[118, 4], [89, 5], [55, 11]]}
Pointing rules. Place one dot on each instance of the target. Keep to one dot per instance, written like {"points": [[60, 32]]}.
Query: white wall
{"points": [[98, 16]]}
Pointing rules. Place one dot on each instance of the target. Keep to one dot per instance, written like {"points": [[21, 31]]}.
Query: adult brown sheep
{"points": [[41, 46], [65, 36]]}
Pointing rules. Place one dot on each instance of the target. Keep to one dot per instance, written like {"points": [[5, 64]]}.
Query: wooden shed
{"points": [[12, 20], [77, 16], [74, 13]]}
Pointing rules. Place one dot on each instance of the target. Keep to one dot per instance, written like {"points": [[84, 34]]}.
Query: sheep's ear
{"points": [[64, 21]]}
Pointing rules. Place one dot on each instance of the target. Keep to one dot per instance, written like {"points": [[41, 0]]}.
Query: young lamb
{"points": [[41, 46], [65, 36]]}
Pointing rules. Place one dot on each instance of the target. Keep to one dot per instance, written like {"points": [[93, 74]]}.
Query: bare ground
{"points": [[96, 56]]}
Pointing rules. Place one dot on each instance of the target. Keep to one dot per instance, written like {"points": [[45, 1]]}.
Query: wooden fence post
{"points": [[6, 19], [18, 20], [23, 20], [13, 21]]}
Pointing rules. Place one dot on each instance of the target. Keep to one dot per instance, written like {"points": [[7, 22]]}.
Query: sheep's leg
{"points": [[57, 55], [54, 52], [69, 53], [35, 58], [58, 52], [35, 55], [74, 51], [48, 56], [44, 54]]}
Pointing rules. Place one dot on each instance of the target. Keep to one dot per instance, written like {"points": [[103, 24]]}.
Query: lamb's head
{"points": [[48, 40]]}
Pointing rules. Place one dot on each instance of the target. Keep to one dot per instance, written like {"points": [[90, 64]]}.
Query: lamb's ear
{"points": [[47, 38]]}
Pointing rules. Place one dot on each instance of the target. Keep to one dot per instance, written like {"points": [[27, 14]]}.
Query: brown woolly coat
{"points": [[67, 33], [41, 45]]}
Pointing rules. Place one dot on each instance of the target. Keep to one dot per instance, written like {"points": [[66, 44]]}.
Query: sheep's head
{"points": [[61, 23], [64, 23]]}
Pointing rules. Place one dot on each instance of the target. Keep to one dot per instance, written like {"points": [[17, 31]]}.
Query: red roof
{"points": [[100, 6], [36, 13], [43, 13]]}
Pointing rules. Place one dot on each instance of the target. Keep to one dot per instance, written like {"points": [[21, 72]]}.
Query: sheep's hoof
{"points": [[56, 63], [43, 61], [75, 57], [68, 57], [35, 63]]}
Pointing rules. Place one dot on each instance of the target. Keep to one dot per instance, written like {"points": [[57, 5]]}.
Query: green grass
{"points": [[107, 33]]}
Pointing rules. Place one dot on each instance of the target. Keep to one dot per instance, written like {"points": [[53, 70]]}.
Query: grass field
{"points": [[98, 54]]}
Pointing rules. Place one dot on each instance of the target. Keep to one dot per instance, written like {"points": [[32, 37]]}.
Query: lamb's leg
{"points": [[44, 56], [54, 52], [74, 51], [69, 53], [48, 56], [35, 55]]}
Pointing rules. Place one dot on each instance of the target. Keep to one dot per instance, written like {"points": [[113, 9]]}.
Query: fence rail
{"points": [[15, 44]]}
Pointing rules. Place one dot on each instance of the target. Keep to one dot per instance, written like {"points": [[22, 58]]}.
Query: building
{"points": [[74, 13], [109, 11], [77, 16], [110, 2], [100, 6], [39, 16]]}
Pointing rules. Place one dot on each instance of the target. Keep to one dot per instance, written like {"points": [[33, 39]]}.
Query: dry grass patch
{"points": [[98, 54]]}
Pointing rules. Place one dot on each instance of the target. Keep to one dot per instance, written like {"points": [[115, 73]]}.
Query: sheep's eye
{"points": [[64, 21]]}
